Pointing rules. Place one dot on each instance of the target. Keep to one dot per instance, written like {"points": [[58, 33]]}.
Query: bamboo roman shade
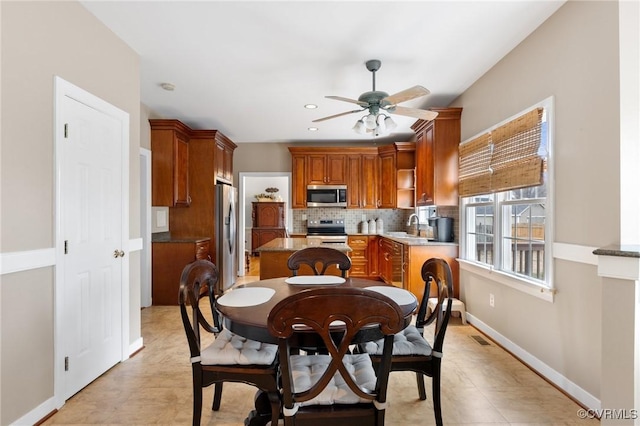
{"points": [[504, 158]]}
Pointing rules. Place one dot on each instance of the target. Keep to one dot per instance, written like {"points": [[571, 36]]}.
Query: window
{"points": [[504, 228]]}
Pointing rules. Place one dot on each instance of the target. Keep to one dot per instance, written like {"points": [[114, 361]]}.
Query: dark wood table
{"points": [[251, 321]]}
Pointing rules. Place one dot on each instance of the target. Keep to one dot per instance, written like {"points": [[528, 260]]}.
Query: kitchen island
{"points": [[275, 253]]}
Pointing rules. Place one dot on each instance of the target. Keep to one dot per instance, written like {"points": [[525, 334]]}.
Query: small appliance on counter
{"points": [[442, 228]]}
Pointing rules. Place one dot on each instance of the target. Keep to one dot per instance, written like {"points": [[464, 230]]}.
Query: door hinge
{"points": [[66, 130], [66, 363], [66, 246]]}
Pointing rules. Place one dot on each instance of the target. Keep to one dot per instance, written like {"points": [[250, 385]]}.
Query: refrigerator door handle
{"points": [[232, 224]]}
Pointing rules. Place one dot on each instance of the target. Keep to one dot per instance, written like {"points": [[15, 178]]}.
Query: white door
{"points": [[91, 226]]}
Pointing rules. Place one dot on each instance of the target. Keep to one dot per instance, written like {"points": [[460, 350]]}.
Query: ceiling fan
{"points": [[378, 102]]}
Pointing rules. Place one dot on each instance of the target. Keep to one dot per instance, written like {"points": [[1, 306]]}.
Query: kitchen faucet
{"points": [[411, 216]]}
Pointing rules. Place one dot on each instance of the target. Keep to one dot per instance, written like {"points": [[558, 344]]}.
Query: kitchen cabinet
{"points": [[169, 257], [401, 264], [364, 256], [224, 159], [299, 181], [327, 169], [352, 166], [397, 175], [437, 158], [268, 223], [414, 257], [169, 163], [363, 186], [199, 218], [390, 262]]}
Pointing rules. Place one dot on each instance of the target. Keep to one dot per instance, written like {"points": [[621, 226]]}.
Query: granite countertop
{"points": [[295, 244], [410, 240], [621, 250], [165, 237]]}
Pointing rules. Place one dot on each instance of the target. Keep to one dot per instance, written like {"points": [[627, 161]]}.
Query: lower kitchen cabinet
{"points": [[401, 264], [415, 256], [169, 257], [364, 256]]}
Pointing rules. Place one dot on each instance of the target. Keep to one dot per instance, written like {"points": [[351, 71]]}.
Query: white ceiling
{"points": [[248, 68]]}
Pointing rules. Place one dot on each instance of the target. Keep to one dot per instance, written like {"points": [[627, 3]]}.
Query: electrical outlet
{"points": [[304, 217], [492, 300], [364, 217]]}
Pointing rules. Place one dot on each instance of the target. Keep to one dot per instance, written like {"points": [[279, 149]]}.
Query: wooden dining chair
{"points": [[339, 388], [319, 259], [411, 351], [230, 358]]}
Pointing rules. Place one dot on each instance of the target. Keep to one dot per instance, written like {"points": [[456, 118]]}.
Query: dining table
{"points": [[245, 310]]}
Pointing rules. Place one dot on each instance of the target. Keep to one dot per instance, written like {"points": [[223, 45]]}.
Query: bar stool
{"points": [[456, 306]]}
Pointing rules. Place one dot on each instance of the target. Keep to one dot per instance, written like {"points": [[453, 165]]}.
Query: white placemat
{"points": [[246, 296], [314, 280], [398, 295]]}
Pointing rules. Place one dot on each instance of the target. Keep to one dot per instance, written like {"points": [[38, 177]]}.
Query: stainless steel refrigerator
{"points": [[226, 217]]}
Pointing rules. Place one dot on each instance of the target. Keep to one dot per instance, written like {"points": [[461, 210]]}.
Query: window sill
{"points": [[511, 281]]}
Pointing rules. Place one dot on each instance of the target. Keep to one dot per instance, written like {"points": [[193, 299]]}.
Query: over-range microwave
{"points": [[326, 195]]}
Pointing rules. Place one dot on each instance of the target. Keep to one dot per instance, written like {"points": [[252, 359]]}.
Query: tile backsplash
{"points": [[394, 219]]}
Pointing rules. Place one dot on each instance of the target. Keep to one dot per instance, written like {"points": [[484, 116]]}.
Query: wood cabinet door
{"points": [[219, 160], [388, 181], [372, 253], [327, 169], [299, 181], [227, 164], [369, 197], [336, 169], [317, 169], [355, 171], [181, 171], [425, 167], [268, 215]]}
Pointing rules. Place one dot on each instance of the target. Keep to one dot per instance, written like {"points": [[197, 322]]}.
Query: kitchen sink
{"points": [[398, 234]]}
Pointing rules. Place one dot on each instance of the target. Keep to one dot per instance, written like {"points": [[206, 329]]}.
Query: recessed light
{"points": [[168, 86], [311, 106], [312, 129]]}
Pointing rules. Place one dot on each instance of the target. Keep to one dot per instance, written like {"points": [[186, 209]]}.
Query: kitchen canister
{"points": [[372, 226], [364, 227], [379, 226]]}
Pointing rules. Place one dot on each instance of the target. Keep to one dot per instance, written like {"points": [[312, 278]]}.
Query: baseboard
{"points": [[136, 346], [39, 413], [567, 386]]}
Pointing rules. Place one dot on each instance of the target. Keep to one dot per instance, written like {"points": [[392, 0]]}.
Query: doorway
{"points": [[251, 184]]}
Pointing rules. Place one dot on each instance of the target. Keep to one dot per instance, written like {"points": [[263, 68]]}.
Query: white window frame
{"points": [[543, 289]]}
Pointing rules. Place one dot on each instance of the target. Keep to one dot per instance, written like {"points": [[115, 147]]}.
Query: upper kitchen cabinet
{"points": [[299, 181], [327, 169], [224, 158], [437, 158], [170, 163], [363, 188], [397, 175]]}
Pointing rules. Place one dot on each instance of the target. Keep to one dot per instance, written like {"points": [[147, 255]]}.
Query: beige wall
{"points": [[39, 41], [573, 56]]}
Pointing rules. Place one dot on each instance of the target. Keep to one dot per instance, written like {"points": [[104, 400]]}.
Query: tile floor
{"points": [[482, 385]]}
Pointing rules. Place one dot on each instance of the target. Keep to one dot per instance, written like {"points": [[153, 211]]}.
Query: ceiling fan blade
{"points": [[405, 95], [336, 115], [422, 114], [353, 101]]}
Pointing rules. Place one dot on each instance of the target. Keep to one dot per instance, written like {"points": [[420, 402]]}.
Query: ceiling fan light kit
{"points": [[376, 101]]}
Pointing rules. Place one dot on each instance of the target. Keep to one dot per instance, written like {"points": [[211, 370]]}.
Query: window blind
{"points": [[503, 159]]}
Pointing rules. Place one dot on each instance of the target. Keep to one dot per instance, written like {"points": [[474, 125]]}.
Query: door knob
{"points": [[118, 253]]}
